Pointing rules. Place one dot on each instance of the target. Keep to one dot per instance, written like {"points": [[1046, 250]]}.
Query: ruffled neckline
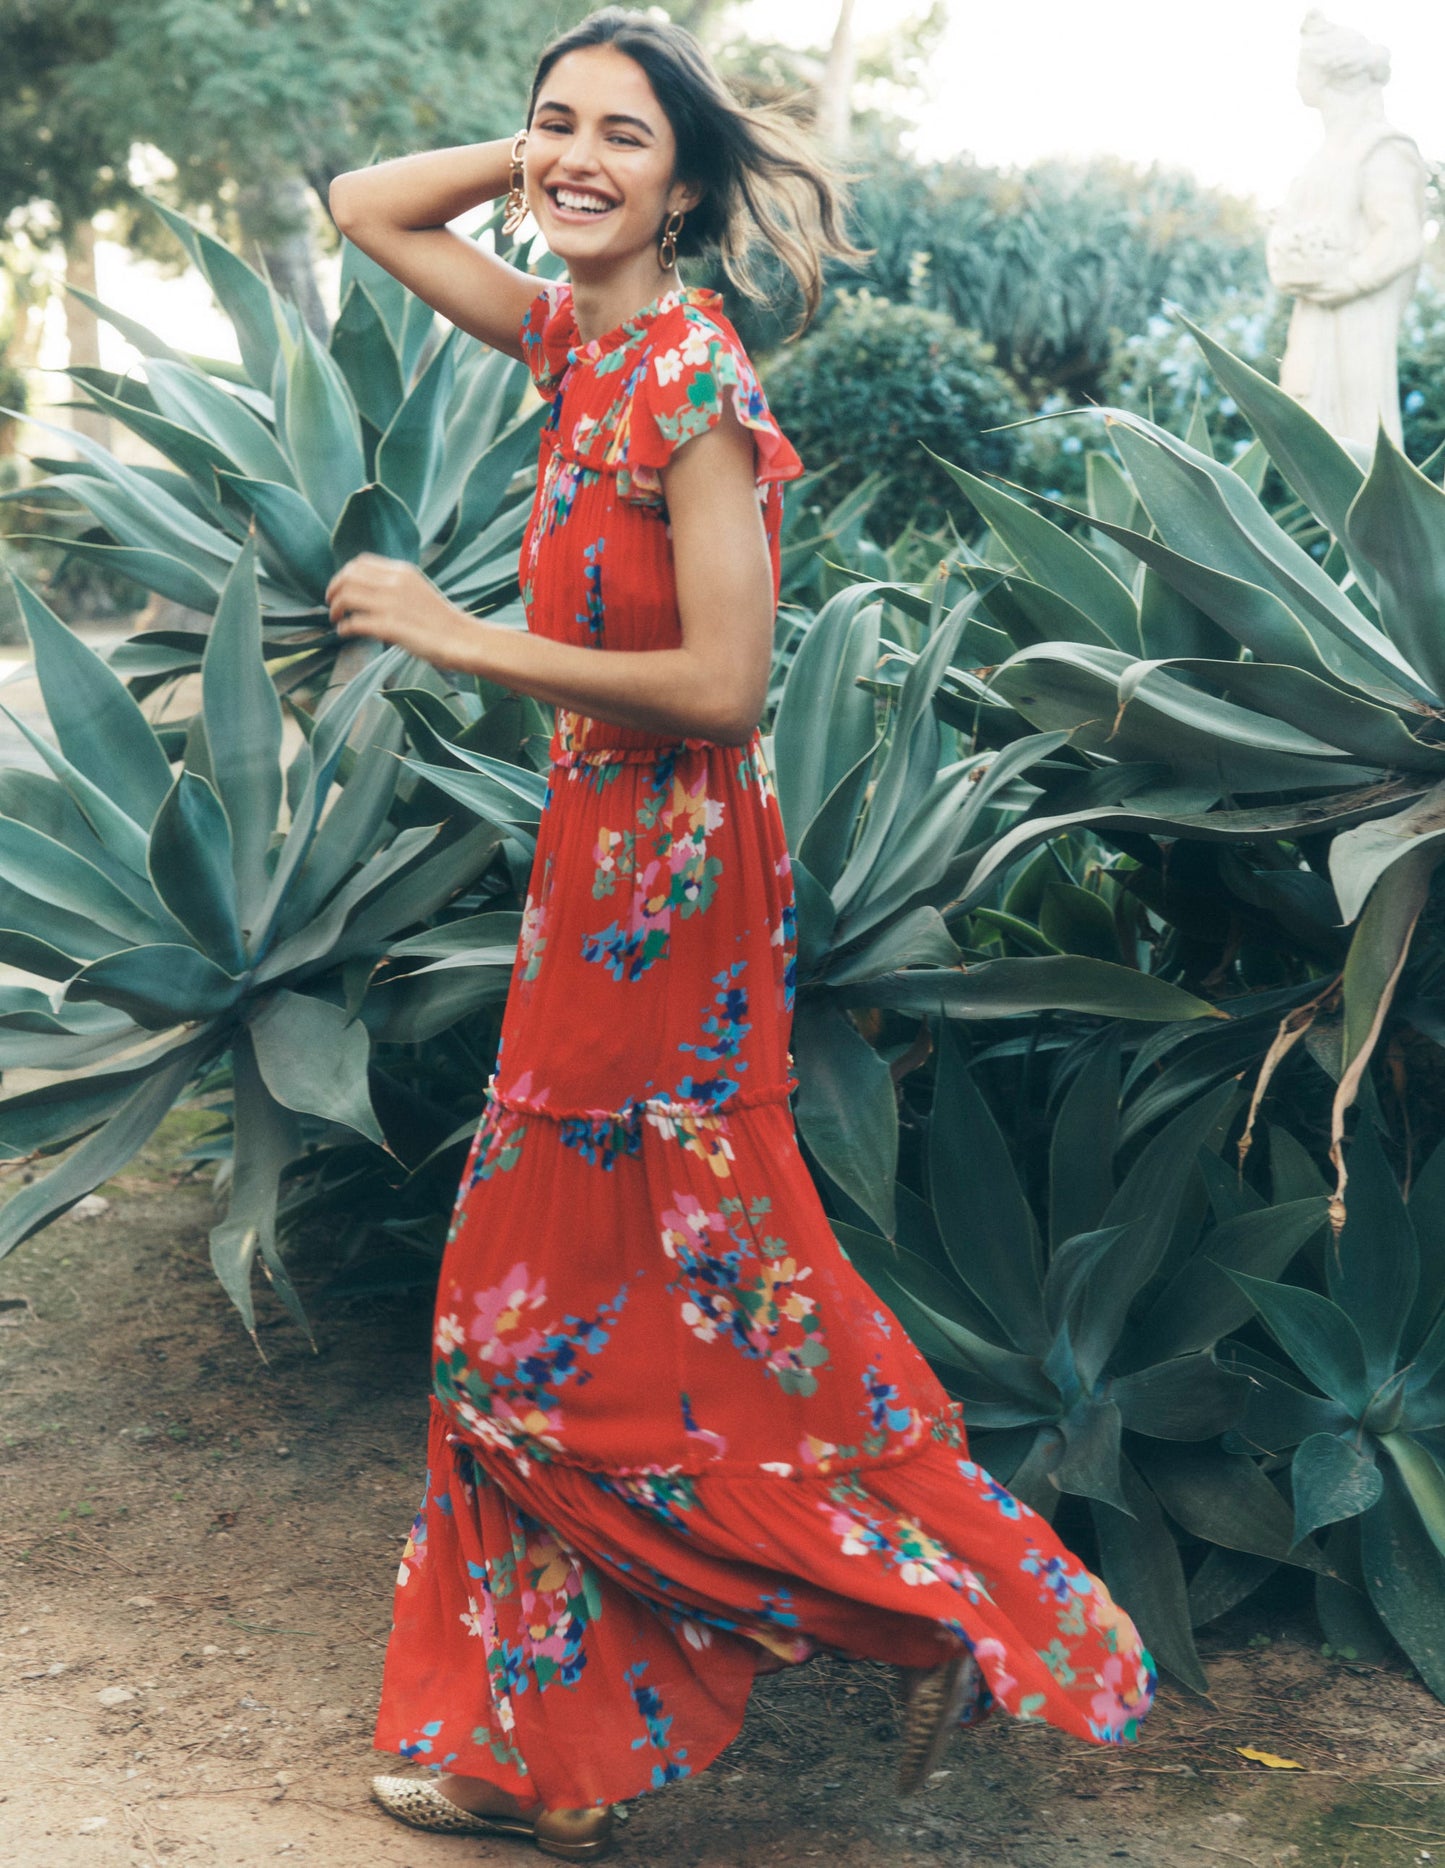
{"points": [[635, 325]]}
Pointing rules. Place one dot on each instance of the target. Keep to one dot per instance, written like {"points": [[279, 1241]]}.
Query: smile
{"points": [[581, 201]]}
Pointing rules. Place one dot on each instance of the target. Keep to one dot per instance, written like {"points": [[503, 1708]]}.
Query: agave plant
{"points": [[377, 441], [236, 907], [875, 819], [1081, 1337], [1236, 688], [1366, 1439]]}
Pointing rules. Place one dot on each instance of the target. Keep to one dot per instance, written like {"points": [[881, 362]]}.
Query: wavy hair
{"points": [[763, 178]]}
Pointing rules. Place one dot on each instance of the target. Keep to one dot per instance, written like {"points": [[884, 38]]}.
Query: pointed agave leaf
{"points": [[825, 721], [299, 541], [267, 1138], [1226, 1499], [328, 741], [1359, 857], [120, 835], [1374, 1272], [146, 342], [43, 867], [1144, 1210], [497, 791], [376, 520], [910, 764], [1187, 1398], [139, 513], [317, 935], [364, 351], [202, 406], [1209, 741], [251, 304], [158, 985], [1331, 1480], [1063, 982], [1397, 525], [322, 432], [480, 528], [1316, 1335], [104, 1153], [1081, 1150], [826, 842], [1205, 512], [98, 726], [1306, 453], [987, 1226], [1141, 1565], [351, 829], [918, 937], [848, 1109], [1405, 1576], [314, 1059], [1089, 1464], [191, 869], [410, 450], [161, 571], [244, 731], [1423, 1479], [1200, 1305], [484, 398], [1049, 556]]}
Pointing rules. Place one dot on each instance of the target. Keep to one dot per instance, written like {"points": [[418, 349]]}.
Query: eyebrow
{"points": [[638, 123]]}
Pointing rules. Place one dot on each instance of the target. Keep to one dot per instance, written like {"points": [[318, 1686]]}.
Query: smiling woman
{"points": [[676, 1441]]}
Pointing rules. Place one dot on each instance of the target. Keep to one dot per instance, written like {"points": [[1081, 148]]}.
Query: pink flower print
{"points": [[686, 1225], [450, 1335], [499, 1316]]}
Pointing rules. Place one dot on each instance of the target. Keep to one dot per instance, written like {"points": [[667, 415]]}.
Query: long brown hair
{"points": [[763, 179]]}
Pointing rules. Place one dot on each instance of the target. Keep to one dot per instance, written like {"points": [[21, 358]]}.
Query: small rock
{"points": [[115, 1695], [93, 1206], [283, 1452], [140, 1602], [241, 1653], [88, 1825], [285, 1777], [210, 1650]]}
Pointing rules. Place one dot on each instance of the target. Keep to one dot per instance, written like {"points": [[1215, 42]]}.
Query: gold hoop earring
{"points": [[516, 202], [667, 252]]}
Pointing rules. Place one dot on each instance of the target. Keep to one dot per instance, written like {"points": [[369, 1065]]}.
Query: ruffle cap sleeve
{"points": [[549, 333], [694, 362]]}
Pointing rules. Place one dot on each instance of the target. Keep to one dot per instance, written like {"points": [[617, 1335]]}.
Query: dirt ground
{"points": [[196, 1558]]}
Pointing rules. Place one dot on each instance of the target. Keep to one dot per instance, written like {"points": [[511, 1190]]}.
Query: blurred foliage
{"points": [[875, 384]]}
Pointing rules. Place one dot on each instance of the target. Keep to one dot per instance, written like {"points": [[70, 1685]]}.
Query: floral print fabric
{"points": [[673, 1431]]}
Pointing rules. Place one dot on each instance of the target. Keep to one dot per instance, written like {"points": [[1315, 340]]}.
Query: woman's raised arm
{"points": [[398, 213]]}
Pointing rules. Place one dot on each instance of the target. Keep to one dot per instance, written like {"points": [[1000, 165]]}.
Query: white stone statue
{"points": [[1348, 240]]}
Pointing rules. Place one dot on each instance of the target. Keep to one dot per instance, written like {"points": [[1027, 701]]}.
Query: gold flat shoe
{"points": [[936, 1698], [569, 1835]]}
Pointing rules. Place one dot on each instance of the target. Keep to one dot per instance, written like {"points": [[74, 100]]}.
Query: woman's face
{"points": [[600, 160]]}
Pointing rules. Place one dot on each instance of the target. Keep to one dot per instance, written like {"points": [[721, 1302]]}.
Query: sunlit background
{"points": [[1206, 89]]}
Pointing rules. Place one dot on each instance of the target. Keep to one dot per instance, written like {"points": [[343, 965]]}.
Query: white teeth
{"points": [[571, 199]]}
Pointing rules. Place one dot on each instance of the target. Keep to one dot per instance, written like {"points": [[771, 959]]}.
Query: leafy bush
{"points": [[873, 381]]}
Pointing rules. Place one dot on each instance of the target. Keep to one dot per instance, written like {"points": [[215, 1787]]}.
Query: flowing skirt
{"points": [[675, 1436]]}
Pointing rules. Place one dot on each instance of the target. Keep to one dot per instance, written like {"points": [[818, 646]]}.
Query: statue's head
{"points": [[1337, 58]]}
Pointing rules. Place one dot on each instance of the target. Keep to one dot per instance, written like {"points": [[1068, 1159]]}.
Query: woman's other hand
{"points": [[393, 601]]}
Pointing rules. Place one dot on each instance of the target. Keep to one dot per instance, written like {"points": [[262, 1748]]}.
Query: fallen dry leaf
{"points": [[1268, 1759]]}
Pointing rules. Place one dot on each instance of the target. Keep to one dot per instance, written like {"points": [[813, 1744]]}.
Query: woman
{"points": [[675, 1440]]}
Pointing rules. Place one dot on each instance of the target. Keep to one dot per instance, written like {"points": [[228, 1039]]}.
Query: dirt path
{"points": [[196, 1558]]}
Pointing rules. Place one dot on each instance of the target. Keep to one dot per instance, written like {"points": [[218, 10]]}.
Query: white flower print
{"points": [[472, 1619], [450, 1334], [668, 366]]}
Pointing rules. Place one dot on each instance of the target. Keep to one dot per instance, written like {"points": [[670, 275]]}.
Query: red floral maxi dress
{"points": [[674, 1433]]}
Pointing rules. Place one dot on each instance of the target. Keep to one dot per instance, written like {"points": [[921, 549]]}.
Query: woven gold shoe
{"points": [[935, 1699], [569, 1835]]}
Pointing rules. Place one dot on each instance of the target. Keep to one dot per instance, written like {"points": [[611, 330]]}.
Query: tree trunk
{"points": [[83, 327], [276, 227], [835, 100]]}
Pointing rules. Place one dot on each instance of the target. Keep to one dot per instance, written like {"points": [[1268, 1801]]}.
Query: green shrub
{"points": [[873, 382]]}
